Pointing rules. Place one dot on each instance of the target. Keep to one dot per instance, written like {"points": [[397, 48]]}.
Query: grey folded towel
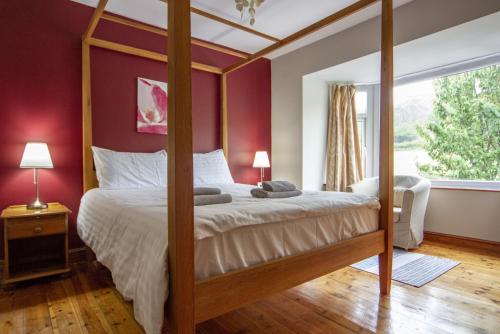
{"points": [[206, 191], [261, 193], [278, 186], [200, 200]]}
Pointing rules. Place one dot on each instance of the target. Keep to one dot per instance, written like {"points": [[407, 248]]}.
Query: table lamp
{"points": [[36, 155], [261, 161]]}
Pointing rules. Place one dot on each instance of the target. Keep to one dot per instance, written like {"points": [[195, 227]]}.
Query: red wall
{"points": [[40, 99], [249, 119]]}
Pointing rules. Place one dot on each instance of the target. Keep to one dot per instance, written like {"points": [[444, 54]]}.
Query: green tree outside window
{"points": [[462, 136]]}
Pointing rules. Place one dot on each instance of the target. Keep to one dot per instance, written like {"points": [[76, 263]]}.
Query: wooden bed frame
{"points": [[191, 301]]}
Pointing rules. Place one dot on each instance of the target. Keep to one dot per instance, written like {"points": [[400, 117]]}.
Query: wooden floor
{"points": [[464, 300]]}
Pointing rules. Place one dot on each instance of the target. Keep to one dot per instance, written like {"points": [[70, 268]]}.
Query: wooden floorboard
{"points": [[464, 300]]}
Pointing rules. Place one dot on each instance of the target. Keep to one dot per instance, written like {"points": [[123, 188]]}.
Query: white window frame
{"points": [[466, 184], [372, 129], [362, 117], [373, 119]]}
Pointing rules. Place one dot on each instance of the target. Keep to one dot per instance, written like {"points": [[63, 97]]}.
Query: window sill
{"points": [[490, 186]]}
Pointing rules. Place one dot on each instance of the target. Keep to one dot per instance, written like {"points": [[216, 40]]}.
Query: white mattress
{"points": [[127, 231]]}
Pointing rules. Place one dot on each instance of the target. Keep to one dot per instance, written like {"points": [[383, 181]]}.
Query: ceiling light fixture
{"points": [[248, 5]]}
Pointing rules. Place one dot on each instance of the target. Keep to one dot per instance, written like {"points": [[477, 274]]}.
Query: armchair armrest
{"points": [[415, 203]]}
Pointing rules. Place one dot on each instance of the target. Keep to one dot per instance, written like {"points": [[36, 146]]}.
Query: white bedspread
{"points": [[127, 231]]}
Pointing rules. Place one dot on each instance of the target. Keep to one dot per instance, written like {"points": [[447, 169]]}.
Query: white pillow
{"points": [[123, 170], [211, 168]]}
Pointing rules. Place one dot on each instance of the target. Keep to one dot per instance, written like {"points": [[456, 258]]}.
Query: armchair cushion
{"points": [[368, 186]]}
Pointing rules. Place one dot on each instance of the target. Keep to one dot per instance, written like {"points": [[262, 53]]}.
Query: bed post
{"points": [[223, 115], [386, 172], [180, 310], [86, 118], [89, 178]]}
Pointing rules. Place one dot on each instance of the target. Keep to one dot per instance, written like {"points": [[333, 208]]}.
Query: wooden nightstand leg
{"points": [[6, 273], [66, 247]]}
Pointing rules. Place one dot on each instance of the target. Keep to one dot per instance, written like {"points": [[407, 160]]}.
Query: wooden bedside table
{"points": [[35, 242]]}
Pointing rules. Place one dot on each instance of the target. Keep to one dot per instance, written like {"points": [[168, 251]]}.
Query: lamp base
{"points": [[37, 205]]}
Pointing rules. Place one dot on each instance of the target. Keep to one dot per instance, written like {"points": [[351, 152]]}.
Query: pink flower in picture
{"points": [[152, 101]]}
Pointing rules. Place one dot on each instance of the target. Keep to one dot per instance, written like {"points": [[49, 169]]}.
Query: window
{"points": [[448, 128], [361, 102]]}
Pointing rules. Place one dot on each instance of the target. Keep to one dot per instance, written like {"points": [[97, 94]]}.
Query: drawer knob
{"points": [[37, 229]]}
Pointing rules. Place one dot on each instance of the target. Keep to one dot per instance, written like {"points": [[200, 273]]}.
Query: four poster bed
{"points": [[195, 297]]}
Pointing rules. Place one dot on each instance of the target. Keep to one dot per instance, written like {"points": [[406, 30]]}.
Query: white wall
{"points": [[474, 214], [466, 213], [286, 125], [355, 42], [314, 132]]}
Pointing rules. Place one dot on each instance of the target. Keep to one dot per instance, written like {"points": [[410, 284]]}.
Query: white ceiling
{"points": [[278, 18], [449, 48]]}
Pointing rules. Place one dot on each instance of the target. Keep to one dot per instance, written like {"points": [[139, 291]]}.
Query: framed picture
{"points": [[152, 101]]}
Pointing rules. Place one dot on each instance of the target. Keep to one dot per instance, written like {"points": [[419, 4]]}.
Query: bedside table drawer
{"points": [[35, 226]]}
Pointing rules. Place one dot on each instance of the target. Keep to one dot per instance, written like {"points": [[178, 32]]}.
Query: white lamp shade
{"points": [[36, 155], [261, 160]]}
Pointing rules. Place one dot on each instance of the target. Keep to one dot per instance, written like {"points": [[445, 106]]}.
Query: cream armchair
{"points": [[410, 202]]}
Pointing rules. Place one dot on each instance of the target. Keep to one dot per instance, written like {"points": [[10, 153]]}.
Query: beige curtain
{"points": [[343, 153]]}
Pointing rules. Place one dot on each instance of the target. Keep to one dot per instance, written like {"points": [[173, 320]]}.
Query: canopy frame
{"points": [[191, 301]]}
